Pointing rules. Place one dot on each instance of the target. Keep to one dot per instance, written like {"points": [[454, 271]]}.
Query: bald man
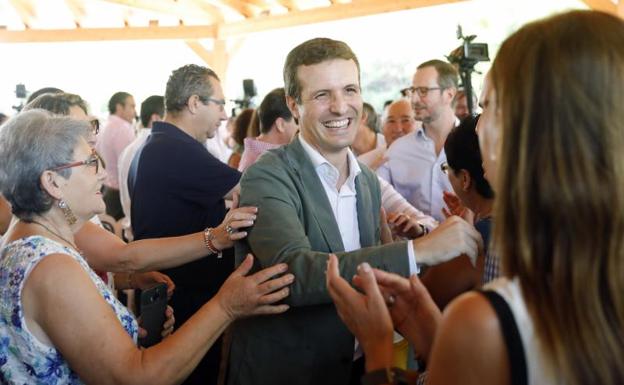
{"points": [[399, 120]]}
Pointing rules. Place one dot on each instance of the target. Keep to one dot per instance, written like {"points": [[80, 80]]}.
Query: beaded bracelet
{"points": [[208, 237]]}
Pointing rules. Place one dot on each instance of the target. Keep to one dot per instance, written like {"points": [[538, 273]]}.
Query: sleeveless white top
{"points": [[538, 372]]}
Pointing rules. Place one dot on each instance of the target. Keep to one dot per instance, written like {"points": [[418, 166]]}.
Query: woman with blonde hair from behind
{"points": [[551, 135]]}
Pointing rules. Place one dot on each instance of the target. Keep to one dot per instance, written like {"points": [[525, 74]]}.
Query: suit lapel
{"points": [[364, 207], [314, 192]]}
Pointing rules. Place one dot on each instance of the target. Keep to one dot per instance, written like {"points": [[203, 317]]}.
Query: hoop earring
{"points": [[69, 215]]}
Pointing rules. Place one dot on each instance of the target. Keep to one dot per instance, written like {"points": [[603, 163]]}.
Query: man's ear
{"points": [[364, 116], [51, 183], [192, 104], [155, 118], [450, 94], [466, 180], [279, 125], [293, 106]]}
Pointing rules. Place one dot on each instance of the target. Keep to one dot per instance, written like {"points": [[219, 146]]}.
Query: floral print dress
{"points": [[23, 358]]}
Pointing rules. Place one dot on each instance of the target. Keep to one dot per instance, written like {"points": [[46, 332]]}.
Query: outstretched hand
{"points": [[404, 225], [451, 239], [234, 223], [366, 315], [242, 295], [456, 207]]}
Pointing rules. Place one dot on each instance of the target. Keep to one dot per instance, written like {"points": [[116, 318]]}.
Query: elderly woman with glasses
{"points": [[106, 252], [59, 323], [551, 135]]}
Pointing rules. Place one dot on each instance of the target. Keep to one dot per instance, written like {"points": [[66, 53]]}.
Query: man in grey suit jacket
{"points": [[314, 198]]}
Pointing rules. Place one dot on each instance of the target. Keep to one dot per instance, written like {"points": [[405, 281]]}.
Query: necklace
{"points": [[56, 234]]}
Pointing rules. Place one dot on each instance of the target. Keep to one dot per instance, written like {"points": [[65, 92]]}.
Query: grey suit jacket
{"points": [[308, 344]]}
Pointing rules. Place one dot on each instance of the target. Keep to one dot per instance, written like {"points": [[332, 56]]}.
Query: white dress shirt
{"points": [[344, 201], [125, 159]]}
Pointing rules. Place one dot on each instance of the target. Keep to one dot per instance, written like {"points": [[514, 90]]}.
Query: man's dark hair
{"points": [[462, 153], [154, 104], [448, 76], [372, 120], [186, 81], [241, 126], [273, 106], [311, 52], [41, 91], [117, 98]]}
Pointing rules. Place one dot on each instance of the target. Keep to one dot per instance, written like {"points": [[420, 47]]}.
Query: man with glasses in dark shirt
{"points": [[177, 187]]}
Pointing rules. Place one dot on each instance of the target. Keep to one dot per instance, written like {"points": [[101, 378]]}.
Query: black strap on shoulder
{"points": [[515, 349]]}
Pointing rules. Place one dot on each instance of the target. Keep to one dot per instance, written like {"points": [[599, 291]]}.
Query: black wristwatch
{"points": [[392, 376]]}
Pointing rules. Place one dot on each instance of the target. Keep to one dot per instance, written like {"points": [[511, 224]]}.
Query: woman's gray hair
{"points": [[30, 143]]}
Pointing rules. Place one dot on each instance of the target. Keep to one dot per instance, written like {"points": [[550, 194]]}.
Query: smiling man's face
{"points": [[331, 104]]}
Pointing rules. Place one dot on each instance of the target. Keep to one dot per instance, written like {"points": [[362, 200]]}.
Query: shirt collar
{"points": [[328, 171], [420, 132], [118, 120]]}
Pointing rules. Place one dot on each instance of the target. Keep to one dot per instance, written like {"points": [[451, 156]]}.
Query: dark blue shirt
{"points": [[178, 190]]}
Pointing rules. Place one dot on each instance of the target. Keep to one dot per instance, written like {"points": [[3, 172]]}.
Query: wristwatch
{"points": [[391, 376]]}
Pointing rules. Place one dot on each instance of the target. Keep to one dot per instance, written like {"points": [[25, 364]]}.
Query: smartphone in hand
{"points": [[152, 306]]}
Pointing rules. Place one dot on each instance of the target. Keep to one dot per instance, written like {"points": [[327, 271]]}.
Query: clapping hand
{"points": [[366, 315]]}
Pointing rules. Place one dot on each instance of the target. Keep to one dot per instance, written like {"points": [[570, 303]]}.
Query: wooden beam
{"points": [[26, 11], [181, 9], [218, 31], [108, 34], [77, 10], [237, 6], [211, 9], [201, 51], [217, 58], [290, 5], [602, 5], [263, 4], [319, 15]]}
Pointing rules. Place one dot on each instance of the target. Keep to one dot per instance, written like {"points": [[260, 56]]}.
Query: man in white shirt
{"points": [[152, 110], [415, 160], [314, 198]]}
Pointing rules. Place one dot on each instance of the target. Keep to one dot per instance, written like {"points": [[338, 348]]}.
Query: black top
{"points": [[178, 190]]}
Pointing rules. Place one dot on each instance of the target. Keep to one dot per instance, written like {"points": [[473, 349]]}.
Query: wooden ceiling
{"points": [[24, 21], [97, 20]]}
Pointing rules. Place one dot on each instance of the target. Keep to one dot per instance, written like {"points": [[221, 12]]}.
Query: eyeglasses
{"points": [[92, 161], [95, 125], [219, 102], [445, 168], [421, 91]]}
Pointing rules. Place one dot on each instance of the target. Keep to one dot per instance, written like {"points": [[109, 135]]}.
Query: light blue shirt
{"points": [[414, 170]]}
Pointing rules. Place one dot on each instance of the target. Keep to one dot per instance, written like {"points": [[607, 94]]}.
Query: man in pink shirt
{"points": [[115, 136], [277, 128]]}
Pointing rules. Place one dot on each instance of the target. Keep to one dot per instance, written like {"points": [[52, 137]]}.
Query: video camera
{"points": [[20, 93], [466, 56], [249, 91]]}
